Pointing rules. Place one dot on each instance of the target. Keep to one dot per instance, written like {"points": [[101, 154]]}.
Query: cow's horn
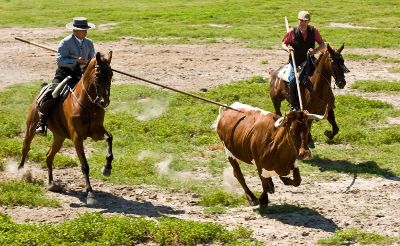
{"points": [[318, 117], [279, 122]]}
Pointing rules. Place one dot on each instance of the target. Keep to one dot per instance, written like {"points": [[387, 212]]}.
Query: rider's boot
{"points": [[44, 108], [294, 99]]}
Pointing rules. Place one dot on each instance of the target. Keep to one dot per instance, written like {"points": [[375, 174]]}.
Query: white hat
{"points": [[80, 23], [303, 15]]}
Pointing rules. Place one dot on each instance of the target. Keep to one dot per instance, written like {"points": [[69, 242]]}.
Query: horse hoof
{"points": [[329, 134], [106, 171], [271, 190], [90, 199], [55, 188], [252, 201]]}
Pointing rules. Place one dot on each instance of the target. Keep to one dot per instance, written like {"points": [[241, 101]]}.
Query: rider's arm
{"points": [[66, 48], [319, 40], [288, 40]]}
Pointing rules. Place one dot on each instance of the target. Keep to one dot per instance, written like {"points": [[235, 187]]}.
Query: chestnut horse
{"points": [[330, 64], [81, 115]]}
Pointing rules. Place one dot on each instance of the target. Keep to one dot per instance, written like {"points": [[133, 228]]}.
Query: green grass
{"points": [[394, 70], [371, 57], [217, 198], [96, 229], [358, 57], [377, 86], [258, 23], [17, 193], [357, 236], [182, 136]]}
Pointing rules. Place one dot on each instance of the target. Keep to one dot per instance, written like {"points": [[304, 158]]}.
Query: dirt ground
{"points": [[370, 204]]}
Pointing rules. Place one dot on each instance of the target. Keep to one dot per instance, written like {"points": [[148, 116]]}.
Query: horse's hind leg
{"points": [[332, 121], [55, 147], [277, 105], [107, 167]]}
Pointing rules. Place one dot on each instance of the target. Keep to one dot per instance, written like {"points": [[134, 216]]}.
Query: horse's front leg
{"points": [[78, 142], [109, 158], [310, 141], [332, 121]]}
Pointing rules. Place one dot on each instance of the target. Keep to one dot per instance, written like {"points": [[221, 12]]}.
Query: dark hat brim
{"points": [[72, 27]]}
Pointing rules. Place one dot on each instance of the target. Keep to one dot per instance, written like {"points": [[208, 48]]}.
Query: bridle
{"points": [[339, 61], [97, 100]]}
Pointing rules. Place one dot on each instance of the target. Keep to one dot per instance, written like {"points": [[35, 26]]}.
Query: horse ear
{"points": [[329, 48], [109, 57], [98, 56], [341, 48]]}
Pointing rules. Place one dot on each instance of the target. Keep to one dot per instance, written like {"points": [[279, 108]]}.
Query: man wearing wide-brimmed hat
{"points": [[68, 67], [301, 40]]}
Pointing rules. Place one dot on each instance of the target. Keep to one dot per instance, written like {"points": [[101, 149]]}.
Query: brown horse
{"points": [[330, 64], [81, 115]]}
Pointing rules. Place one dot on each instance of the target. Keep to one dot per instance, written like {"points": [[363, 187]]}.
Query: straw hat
{"points": [[303, 15], [80, 23]]}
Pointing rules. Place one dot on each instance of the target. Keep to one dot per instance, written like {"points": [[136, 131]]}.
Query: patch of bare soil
{"points": [[320, 208]]}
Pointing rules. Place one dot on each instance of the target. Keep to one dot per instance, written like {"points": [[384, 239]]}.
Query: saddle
{"points": [[58, 91], [284, 71]]}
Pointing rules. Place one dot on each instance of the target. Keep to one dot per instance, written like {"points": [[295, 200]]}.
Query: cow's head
{"points": [[297, 127]]}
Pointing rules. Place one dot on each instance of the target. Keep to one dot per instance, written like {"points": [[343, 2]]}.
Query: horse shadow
{"points": [[298, 216], [109, 203], [343, 166]]}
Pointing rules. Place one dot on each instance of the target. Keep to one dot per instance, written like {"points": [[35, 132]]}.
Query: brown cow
{"points": [[265, 139]]}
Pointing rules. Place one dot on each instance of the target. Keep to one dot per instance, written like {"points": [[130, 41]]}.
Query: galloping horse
{"points": [[81, 115], [329, 64]]}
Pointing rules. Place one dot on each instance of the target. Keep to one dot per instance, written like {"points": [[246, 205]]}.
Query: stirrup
{"points": [[41, 130]]}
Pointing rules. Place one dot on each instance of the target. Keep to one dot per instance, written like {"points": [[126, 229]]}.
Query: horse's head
{"points": [[103, 75], [337, 66]]}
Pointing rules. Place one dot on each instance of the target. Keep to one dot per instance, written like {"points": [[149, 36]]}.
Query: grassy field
{"points": [[152, 126], [182, 134], [259, 23], [96, 229]]}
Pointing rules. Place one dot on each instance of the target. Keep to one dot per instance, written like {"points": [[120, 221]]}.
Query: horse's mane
{"points": [[89, 67]]}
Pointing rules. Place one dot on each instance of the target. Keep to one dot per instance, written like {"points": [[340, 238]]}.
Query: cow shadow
{"points": [[109, 203], [343, 166], [298, 216]]}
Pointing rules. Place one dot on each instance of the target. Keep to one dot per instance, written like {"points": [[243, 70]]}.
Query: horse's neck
{"points": [[323, 72], [85, 86]]}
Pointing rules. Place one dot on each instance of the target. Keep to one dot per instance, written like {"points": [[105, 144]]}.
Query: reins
{"points": [[95, 101]]}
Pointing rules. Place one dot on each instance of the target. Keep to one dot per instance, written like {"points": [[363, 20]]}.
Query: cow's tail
{"points": [[215, 124]]}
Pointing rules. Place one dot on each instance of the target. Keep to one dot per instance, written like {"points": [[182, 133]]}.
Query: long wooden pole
{"points": [[135, 77], [296, 75]]}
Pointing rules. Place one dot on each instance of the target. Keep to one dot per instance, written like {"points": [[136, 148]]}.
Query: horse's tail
{"points": [[31, 122]]}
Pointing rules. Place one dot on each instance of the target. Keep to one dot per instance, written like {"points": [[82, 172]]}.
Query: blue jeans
{"points": [[294, 98]]}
